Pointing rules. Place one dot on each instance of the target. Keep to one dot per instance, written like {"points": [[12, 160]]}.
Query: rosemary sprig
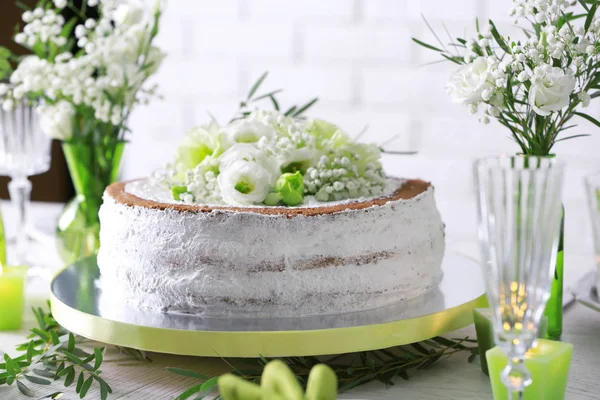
{"points": [[352, 370], [252, 98]]}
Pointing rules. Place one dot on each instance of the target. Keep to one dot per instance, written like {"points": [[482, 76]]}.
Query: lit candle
{"points": [[548, 364], [485, 333], [12, 297]]}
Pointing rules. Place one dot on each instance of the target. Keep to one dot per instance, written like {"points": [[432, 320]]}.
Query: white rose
{"points": [[551, 91], [57, 120], [244, 182], [250, 153], [248, 131], [130, 12], [469, 81]]}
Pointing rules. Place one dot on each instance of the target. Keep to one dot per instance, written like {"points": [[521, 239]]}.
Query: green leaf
{"points": [[428, 46], [70, 375], [44, 373], [275, 103], [80, 381], [257, 84], [30, 350], [290, 111], [71, 342], [588, 117], [306, 107], [103, 391], [55, 339], [24, 389], [99, 358], [44, 335], [582, 2], [209, 384], [187, 372], [590, 16], [499, 38], [85, 387], [36, 380], [191, 391], [4, 52]]}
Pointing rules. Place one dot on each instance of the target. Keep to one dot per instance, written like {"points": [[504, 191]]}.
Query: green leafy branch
{"points": [[352, 369], [252, 98], [52, 354]]}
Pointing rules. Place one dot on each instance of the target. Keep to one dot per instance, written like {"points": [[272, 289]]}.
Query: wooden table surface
{"points": [[453, 378]]}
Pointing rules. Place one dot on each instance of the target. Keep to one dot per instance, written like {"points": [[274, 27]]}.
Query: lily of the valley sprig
{"points": [[535, 84]]}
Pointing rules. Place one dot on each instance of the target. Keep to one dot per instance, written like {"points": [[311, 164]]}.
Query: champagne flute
{"points": [[519, 213], [24, 151]]}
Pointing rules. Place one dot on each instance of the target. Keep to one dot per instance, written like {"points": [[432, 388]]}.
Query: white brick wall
{"points": [[357, 56]]}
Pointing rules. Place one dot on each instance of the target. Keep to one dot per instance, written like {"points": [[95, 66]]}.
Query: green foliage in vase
{"points": [[534, 85], [352, 370]]}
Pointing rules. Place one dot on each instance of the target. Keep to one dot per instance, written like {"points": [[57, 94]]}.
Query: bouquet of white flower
{"points": [[86, 74], [534, 85], [272, 158]]}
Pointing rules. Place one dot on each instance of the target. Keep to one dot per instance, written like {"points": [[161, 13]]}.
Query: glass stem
{"points": [[516, 377], [19, 189]]}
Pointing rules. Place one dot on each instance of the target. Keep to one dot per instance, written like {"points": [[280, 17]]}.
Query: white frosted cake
{"points": [[270, 216], [271, 261]]}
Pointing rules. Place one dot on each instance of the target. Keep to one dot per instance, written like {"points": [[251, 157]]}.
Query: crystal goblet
{"points": [[24, 151], [519, 210], [592, 184]]}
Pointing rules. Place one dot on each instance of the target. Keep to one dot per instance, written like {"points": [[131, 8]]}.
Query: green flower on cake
{"points": [[199, 143], [271, 159], [289, 189]]}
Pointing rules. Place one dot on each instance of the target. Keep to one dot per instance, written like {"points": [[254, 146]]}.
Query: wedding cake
{"points": [[270, 216]]}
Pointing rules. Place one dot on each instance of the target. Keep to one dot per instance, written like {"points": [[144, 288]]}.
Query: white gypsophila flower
{"points": [[484, 120], [469, 81], [551, 90], [244, 182], [585, 98], [130, 12], [60, 4], [57, 120], [8, 105], [4, 88]]}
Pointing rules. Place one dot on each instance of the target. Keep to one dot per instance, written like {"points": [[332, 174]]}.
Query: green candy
{"points": [[322, 383], [278, 379], [232, 387]]}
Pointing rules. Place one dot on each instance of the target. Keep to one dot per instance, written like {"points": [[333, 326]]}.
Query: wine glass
{"points": [[24, 151], [519, 214], [592, 184]]}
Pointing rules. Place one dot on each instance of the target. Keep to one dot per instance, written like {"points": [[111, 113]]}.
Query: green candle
{"points": [[548, 364], [12, 297], [485, 333]]}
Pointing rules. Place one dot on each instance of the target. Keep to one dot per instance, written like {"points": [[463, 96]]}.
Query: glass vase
{"points": [[519, 208], [93, 166]]}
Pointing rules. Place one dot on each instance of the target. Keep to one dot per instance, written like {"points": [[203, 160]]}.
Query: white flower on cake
{"points": [[248, 131], [468, 83], [57, 120], [273, 160], [244, 182], [551, 90]]}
